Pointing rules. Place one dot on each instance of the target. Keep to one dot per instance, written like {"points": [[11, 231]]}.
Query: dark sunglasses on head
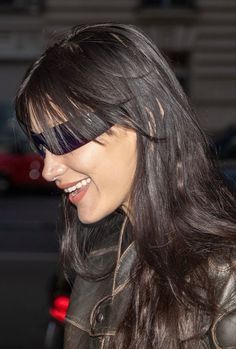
{"points": [[66, 141]]}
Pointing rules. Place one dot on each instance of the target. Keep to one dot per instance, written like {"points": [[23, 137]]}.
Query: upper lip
{"points": [[68, 185]]}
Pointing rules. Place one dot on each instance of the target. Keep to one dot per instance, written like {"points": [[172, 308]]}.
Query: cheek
{"points": [[111, 167], [116, 171], [83, 160], [111, 170]]}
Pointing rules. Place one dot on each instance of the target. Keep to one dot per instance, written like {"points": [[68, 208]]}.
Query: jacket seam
{"points": [[103, 342], [118, 253], [120, 288], [74, 323], [94, 308], [119, 265], [103, 251], [117, 291], [214, 338], [213, 330]]}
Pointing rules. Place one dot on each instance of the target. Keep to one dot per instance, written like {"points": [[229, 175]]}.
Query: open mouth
{"points": [[78, 193], [80, 185]]}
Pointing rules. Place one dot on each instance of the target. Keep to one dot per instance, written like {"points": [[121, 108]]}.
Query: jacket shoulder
{"points": [[223, 330]]}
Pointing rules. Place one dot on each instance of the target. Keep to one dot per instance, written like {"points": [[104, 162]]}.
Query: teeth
{"points": [[80, 184]]}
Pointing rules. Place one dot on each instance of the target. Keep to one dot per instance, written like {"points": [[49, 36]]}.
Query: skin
{"points": [[111, 168]]}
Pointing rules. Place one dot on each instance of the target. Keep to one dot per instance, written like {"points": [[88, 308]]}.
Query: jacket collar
{"points": [[107, 296]]}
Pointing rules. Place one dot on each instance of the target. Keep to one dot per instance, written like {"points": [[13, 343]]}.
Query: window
{"points": [[179, 62], [169, 3], [227, 150], [15, 6]]}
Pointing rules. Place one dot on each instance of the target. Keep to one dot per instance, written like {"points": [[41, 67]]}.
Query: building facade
{"points": [[199, 37]]}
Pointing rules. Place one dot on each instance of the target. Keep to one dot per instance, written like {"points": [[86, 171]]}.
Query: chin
{"points": [[87, 221], [91, 217]]}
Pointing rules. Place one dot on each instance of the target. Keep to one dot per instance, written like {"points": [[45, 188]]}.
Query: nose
{"points": [[53, 166]]}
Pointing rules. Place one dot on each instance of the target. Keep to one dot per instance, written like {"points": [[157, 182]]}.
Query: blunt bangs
{"points": [[92, 80], [51, 106]]}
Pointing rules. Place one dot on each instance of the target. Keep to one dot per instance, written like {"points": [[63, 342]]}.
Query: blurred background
{"points": [[198, 38]]}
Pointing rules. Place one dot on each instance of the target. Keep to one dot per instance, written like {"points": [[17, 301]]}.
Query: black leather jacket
{"points": [[96, 308]]}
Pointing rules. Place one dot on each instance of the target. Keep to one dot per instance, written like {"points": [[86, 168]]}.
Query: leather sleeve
{"points": [[223, 331]]}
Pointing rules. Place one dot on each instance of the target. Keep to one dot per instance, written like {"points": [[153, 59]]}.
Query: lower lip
{"points": [[74, 199]]}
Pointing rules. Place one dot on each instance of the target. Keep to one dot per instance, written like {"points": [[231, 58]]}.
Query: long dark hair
{"points": [[183, 216]]}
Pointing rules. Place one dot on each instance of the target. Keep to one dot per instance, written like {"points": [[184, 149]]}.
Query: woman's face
{"points": [[107, 170]]}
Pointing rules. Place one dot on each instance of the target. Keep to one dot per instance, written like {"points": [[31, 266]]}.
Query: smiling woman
{"points": [[150, 230], [98, 175]]}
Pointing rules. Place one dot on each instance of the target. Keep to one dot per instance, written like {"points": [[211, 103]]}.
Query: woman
{"points": [[150, 229]]}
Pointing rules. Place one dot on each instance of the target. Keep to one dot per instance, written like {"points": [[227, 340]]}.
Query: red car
{"points": [[20, 167]]}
